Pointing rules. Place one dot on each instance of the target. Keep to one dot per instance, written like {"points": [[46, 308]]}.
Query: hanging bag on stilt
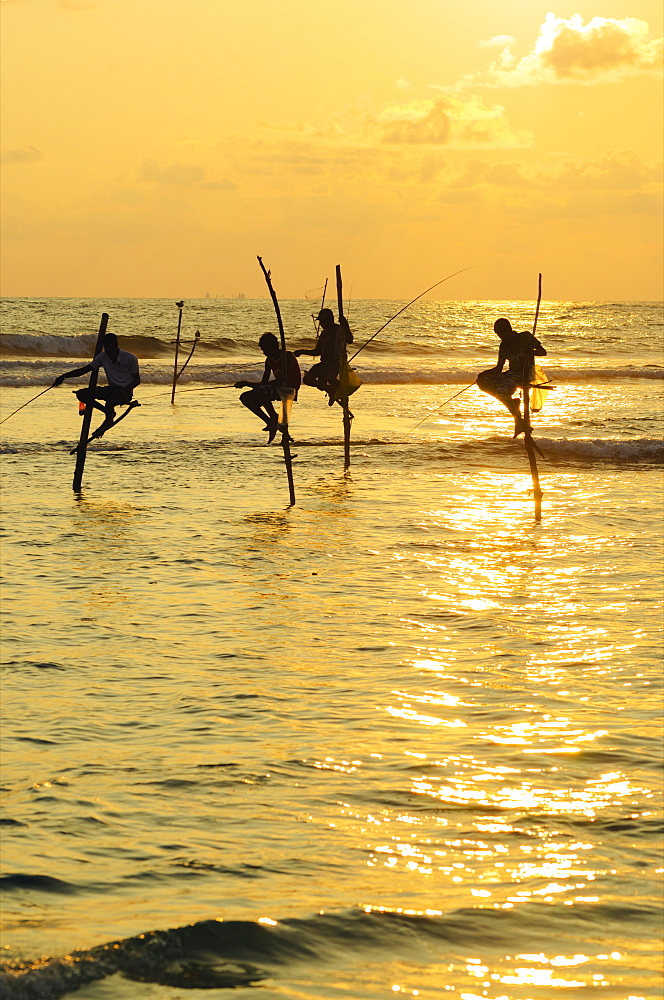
{"points": [[349, 381]]}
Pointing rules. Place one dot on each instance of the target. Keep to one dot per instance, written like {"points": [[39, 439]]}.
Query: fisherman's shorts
{"points": [[266, 392], [114, 394], [502, 385], [325, 372]]}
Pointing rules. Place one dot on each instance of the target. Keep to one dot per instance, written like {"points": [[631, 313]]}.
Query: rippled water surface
{"points": [[397, 740]]}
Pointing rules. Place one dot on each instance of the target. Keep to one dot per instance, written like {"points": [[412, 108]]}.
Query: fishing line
{"points": [[539, 385], [204, 388], [322, 303], [349, 303], [443, 404], [403, 308], [28, 402]]}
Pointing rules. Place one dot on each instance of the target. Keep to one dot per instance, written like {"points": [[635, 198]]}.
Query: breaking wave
{"points": [[20, 345], [217, 954], [607, 450], [492, 451], [42, 371]]}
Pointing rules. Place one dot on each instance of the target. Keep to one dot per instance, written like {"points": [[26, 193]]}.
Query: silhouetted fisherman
{"points": [[262, 394], [519, 350], [122, 376], [329, 347]]}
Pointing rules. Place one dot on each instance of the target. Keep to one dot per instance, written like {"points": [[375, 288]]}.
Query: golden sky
{"points": [[154, 147]]}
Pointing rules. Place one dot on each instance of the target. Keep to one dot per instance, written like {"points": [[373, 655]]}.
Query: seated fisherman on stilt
{"points": [[325, 374], [519, 349], [122, 376], [262, 394]]}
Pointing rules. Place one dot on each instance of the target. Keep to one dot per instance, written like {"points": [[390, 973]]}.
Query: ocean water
{"points": [[396, 740]]}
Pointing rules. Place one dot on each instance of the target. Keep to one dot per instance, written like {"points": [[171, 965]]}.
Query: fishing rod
{"points": [[403, 308], [442, 405], [28, 402]]}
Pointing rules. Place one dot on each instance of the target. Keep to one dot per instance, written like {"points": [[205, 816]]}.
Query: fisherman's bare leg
{"points": [[109, 412], [263, 409], [250, 400], [273, 422], [331, 389], [492, 383]]}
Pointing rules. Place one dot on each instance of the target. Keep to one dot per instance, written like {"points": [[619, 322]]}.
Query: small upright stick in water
{"points": [[180, 306]]}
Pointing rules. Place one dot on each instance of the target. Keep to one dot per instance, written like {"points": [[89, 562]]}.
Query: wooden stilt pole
{"points": [[180, 306], [81, 451], [343, 355], [285, 437], [530, 450], [528, 433]]}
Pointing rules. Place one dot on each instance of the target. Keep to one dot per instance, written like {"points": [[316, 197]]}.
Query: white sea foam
{"points": [[595, 449], [48, 345], [42, 371]]}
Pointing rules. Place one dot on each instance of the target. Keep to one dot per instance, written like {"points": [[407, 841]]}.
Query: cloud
{"points": [[569, 51], [65, 4], [618, 170], [615, 171], [614, 184], [453, 120], [182, 175], [450, 120], [479, 172], [28, 154]]}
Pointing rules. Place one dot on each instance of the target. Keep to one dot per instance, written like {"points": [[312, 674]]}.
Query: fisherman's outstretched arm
{"points": [[314, 352], [243, 384], [77, 372]]}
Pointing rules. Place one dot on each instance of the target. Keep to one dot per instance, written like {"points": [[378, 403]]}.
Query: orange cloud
{"points": [[568, 50], [181, 175], [450, 120], [617, 183], [28, 154]]}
